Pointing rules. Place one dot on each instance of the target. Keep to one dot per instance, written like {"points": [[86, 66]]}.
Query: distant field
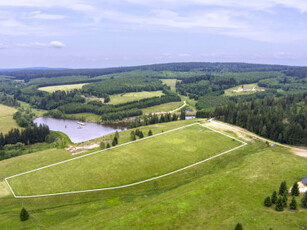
{"points": [[126, 97], [163, 107], [238, 90], [127, 164], [51, 89], [6, 118], [85, 116], [171, 83]]}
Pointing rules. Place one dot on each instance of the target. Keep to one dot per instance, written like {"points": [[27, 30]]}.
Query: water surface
{"points": [[76, 132]]}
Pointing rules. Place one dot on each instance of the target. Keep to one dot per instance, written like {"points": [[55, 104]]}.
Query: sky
{"points": [[106, 33]]}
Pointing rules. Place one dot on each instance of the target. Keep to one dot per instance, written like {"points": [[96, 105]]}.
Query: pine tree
{"points": [[150, 133], [304, 201], [267, 202], [115, 141], [182, 115], [284, 199], [295, 190], [24, 215], [274, 197], [132, 136], [279, 207], [239, 226], [282, 187], [108, 145], [293, 204], [141, 134], [117, 135]]}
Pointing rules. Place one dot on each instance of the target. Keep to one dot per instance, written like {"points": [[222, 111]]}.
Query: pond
{"points": [[77, 131]]}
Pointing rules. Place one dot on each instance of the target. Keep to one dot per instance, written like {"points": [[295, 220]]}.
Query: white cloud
{"points": [[57, 44], [39, 15]]}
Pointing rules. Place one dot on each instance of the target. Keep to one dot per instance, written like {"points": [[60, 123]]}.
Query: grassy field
{"points": [[134, 96], [84, 116], [6, 118], [127, 164], [163, 107], [171, 83], [51, 89], [214, 195], [234, 91]]}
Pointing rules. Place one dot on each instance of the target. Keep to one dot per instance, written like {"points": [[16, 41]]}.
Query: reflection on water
{"points": [[77, 131]]}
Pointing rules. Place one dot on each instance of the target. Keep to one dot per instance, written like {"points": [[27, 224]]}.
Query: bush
{"points": [[279, 206], [24, 215], [239, 226], [267, 202]]}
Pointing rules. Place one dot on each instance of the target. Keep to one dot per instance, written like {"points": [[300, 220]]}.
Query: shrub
{"points": [[24, 215], [239, 226], [267, 202]]}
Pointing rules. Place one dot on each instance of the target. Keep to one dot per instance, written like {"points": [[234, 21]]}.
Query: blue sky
{"points": [[83, 33]]}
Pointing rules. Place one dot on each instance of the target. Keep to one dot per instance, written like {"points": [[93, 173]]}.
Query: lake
{"points": [[76, 132]]}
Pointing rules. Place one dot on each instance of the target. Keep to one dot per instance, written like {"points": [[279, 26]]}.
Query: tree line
{"points": [[280, 119]]}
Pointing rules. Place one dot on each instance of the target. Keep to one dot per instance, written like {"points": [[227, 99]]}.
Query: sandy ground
{"points": [[82, 149], [248, 136]]}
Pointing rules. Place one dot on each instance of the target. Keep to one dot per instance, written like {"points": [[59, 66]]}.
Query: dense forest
{"points": [[281, 119]]}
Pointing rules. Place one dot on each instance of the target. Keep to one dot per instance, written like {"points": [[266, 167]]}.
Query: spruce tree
{"points": [[117, 134], [274, 197], [114, 142], [150, 133], [282, 187], [24, 215], [284, 200], [267, 202], [182, 115], [304, 201], [239, 226], [141, 134], [279, 207], [293, 204], [108, 145], [295, 190]]}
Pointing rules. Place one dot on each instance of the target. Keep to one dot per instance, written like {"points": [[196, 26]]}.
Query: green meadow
{"points": [[51, 89], [166, 107], [6, 118], [253, 88], [134, 96], [171, 83], [127, 164], [214, 195]]}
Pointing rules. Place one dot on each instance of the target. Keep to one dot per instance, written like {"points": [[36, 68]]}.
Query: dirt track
{"points": [[248, 136]]}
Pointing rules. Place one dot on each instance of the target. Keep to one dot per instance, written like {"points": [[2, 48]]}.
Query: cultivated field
{"points": [[51, 89], [171, 83], [134, 96], [214, 195], [246, 90], [6, 118], [127, 164]]}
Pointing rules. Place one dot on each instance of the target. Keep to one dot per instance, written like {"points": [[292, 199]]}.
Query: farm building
{"points": [[302, 185]]}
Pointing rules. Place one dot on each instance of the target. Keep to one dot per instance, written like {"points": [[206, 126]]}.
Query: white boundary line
{"points": [[127, 185]]}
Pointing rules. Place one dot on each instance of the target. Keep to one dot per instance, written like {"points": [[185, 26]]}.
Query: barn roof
{"points": [[304, 180]]}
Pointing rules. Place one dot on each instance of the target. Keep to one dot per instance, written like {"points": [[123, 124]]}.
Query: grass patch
{"points": [[248, 89], [84, 117], [6, 118], [134, 96], [167, 107], [51, 89], [171, 83], [127, 164]]}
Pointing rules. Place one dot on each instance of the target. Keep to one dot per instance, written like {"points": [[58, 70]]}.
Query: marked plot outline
{"points": [[125, 185]]}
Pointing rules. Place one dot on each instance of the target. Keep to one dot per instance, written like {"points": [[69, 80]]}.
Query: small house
{"points": [[302, 185]]}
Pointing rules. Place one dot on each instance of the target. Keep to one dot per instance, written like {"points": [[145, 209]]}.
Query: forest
{"points": [[281, 119]]}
